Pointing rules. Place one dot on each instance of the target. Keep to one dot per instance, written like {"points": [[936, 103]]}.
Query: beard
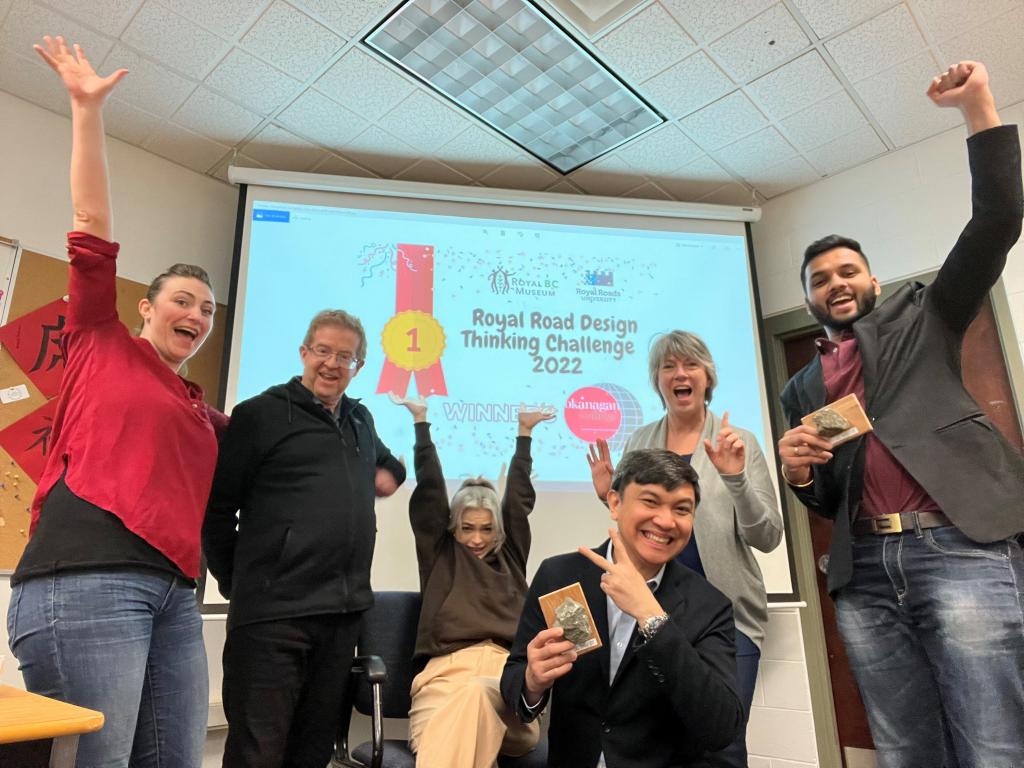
{"points": [[865, 303]]}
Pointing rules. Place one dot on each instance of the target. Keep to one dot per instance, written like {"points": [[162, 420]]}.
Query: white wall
{"points": [[906, 209]]}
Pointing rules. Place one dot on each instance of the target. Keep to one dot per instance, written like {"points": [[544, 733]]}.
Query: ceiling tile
{"points": [[688, 85], [277, 148], [291, 40], [32, 81], [762, 43], [316, 117], [693, 181], [648, 191], [108, 15], [5, 6], [339, 166], [525, 173], [889, 37], [27, 22], [782, 177], [475, 152], [148, 85], [214, 116], [708, 20], [564, 187], [847, 151], [947, 18], [895, 97], [724, 121], [185, 147], [424, 122], [998, 44], [660, 152], [253, 82], [750, 155], [645, 44], [829, 16], [346, 83], [607, 176], [835, 116], [381, 152], [733, 193], [348, 16], [793, 86], [128, 123], [433, 172], [226, 18], [174, 40]]}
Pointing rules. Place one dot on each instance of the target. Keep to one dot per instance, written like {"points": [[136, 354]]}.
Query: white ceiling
{"points": [[762, 97]]}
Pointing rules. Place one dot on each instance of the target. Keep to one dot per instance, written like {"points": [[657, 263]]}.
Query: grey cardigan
{"points": [[736, 512]]}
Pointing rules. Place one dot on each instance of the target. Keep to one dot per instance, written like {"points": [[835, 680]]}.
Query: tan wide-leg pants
{"points": [[458, 719]]}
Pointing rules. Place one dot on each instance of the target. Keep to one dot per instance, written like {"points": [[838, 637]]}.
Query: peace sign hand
{"points": [[623, 583], [729, 454]]}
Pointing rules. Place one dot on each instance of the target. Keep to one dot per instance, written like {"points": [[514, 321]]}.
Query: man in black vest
{"points": [[925, 565]]}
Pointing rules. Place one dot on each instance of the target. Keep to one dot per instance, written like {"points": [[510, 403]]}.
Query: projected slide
{"points": [[479, 316]]}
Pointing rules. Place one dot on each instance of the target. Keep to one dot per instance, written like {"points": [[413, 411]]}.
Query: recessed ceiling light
{"points": [[512, 66]]}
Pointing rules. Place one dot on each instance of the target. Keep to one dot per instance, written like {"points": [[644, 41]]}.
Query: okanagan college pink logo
{"points": [[603, 411]]}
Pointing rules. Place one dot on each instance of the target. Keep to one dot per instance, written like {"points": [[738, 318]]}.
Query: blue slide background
{"points": [[306, 258]]}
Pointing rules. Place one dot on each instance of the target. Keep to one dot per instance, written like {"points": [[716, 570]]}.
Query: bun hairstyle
{"points": [[477, 493]]}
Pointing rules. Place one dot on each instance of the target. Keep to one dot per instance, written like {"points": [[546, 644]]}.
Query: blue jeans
{"points": [[128, 643], [933, 624]]}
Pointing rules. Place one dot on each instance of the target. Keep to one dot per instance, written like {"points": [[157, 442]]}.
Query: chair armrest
{"points": [[373, 667]]}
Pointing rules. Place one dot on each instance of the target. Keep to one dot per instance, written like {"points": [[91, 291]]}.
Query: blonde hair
{"points": [[477, 493], [682, 345]]}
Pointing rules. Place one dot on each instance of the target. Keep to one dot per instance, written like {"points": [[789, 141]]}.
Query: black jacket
{"points": [[302, 485], [672, 699], [914, 393]]}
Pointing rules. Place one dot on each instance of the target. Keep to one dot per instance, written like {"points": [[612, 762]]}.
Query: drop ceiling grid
{"points": [[287, 84]]}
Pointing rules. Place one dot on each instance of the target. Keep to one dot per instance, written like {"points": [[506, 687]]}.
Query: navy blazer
{"points": [[913, 389], [672, 699]]}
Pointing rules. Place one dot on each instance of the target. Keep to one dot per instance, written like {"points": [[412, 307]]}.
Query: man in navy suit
{"points": [[661, 690]]}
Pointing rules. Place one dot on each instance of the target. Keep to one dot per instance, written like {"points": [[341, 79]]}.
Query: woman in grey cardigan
{"points": [[738, 507]]}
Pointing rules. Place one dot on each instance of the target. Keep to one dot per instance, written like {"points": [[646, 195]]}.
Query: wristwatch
{"points": [[650, 626]]}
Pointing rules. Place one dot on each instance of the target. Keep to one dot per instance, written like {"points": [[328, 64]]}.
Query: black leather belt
{"points": [[899, 522]]}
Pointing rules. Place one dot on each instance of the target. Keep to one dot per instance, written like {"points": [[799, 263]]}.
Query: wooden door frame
{"points": [[778, 328]]}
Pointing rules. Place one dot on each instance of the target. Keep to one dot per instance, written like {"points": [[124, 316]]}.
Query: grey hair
{"points": [[682, 345], [477, 493], [342, 319], [655, 466]]}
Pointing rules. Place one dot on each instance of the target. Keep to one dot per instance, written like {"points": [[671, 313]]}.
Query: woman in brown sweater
{"points": [[472, 560]]}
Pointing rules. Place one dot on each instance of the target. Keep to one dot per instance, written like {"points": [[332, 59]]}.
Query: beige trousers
{"points": [[458, 719]]}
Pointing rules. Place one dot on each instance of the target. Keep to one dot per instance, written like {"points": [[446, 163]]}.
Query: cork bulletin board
{"points": [[39, 281]]}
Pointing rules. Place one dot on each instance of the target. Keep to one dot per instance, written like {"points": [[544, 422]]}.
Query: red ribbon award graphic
{"points": [[413, 340]]}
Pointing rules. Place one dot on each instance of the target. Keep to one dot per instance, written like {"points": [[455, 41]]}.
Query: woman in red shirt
{"points": [[103, 611]]}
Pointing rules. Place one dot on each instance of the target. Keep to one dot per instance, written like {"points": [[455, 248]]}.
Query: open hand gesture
{"points": [[599, 457], [83, 85], [623, 583], [729, 454], [529, 418], [417, 407]]}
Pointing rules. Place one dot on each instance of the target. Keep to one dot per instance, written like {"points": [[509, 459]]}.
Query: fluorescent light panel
{"points": [[510, 65]]}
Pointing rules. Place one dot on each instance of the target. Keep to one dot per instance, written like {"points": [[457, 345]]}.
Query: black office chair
{"points": [[379, 686]]}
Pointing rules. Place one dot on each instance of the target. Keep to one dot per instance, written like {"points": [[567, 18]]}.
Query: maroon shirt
{"points": [[130, 436], [888, 487]]}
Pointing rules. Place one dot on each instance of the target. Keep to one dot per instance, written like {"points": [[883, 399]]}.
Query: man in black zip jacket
{"points": [[298, 471]]}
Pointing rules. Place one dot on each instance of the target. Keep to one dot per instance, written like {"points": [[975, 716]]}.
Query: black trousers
{"points": [[284, 684]]}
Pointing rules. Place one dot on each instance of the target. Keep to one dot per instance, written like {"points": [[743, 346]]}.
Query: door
{"points": [[986, 379]]}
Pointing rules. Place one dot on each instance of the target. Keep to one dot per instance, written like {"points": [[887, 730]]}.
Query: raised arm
{"points": [[520, 495], [90, 191], [997, 202]]}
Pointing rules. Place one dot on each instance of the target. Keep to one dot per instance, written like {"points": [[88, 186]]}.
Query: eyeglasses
{"points": [[343, 359]]}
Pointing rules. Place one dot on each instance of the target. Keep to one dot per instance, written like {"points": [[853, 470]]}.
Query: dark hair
{"points": [[177, 270], [824, 245], [655, 466], [341, 319]]}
